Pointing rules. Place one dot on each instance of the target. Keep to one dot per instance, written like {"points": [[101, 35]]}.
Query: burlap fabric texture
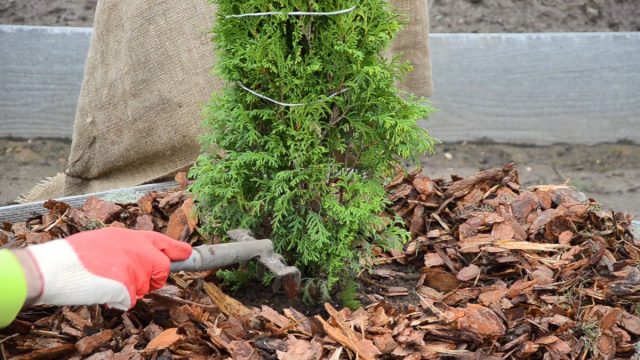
{"points": [[146, 79]]}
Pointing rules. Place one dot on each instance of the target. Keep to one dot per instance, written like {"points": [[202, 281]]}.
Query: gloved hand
{"points": [[109, 266]]}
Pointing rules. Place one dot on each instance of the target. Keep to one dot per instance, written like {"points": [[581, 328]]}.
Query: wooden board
{"points": [[41, 72], [22, 212], [580, 88]]}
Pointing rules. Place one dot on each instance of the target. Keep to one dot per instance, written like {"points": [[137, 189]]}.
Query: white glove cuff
{"points": [[66, 281]]}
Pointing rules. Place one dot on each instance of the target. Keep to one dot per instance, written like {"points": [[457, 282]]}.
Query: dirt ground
{"points": [[610, 173], [446, 15], [50, 12], [24, 163], [485, 16]]}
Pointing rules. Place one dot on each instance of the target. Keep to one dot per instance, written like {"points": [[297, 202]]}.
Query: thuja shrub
{"points": [[298, 144]]}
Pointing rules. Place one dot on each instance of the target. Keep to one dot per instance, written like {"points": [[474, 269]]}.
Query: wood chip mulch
{"points": [[502, 273]]}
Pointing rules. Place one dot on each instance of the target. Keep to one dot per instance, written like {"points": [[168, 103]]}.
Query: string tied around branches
{"points": [[292, 13]]}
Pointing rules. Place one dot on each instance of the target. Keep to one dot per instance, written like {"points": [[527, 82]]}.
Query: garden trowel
{"points": [[242, 249]]}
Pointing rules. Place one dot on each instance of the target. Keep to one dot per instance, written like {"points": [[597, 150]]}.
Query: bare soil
{"points": [[483, 16], [446, 15], [609, 173], [49, 13], [24, 163]]}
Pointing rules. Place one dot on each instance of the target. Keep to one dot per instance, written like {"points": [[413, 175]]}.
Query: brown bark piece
{"points": [[56, 352], [90, 343], [606, 347], [472, 244], [432, 260], [227, 305], [242, 350], [440, 279], [482, 321], [565, 238], [385, 343], [165, 339], [379, 317], [468, 273], [77, 320], [557, 226], [401, 192], [144, 222], [397, 291], [503, 231], [77, 217], [630, 323], [348, 340], [492, 297], [522, 207], [182, 222], [303, 324], [296, 350], [100, 210], [424, 186], [271, 315], [182, 180], [171, 199], [461, 188], [417, 221], [38, 238], [347, 337], [105, 355], [146, 203]]}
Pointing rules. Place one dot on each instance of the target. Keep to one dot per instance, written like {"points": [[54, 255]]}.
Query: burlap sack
{"points": [[413, 43], [146, 79]]}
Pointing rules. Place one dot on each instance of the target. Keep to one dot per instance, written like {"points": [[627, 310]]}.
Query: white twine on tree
{"points": [[285, 104], [294, 13]]}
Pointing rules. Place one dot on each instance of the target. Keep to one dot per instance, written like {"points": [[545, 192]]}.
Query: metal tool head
{"points": [[287, 277]]}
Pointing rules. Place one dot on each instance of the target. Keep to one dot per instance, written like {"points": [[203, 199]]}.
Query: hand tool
{"points": [[242, 249]]}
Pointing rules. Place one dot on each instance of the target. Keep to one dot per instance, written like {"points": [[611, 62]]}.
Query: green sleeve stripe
{"points": [[13, 287]]}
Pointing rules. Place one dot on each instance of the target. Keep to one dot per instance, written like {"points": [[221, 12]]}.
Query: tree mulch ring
{"points": [[492, 271]]}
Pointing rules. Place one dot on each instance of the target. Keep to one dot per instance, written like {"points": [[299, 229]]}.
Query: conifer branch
{"points": [[307, 175]]}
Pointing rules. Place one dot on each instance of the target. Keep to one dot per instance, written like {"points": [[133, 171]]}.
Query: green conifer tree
{"points": [[298, 144]]}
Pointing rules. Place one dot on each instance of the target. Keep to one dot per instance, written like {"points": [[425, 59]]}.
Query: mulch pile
{"points": [[503, 272]]}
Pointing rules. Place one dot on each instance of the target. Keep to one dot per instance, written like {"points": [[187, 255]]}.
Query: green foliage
{"points": [[590, 334], [315, 290], [348, 295], [309, 177], [235, 279], [94, 225]]}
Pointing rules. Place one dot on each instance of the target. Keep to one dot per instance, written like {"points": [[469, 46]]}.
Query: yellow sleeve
{"points": [[13, 287]]}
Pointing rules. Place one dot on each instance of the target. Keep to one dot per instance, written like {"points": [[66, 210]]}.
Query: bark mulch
{"points": [[493, 271]]}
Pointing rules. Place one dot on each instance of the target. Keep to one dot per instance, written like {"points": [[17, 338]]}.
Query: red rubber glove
{"points": [[110, 266]]}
